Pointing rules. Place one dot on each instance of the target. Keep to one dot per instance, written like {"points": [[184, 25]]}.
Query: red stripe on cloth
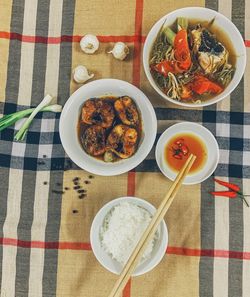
{"points": [[131, 183], [208, 253], [247, 43], [87, 247], [46, 245], [68, 38], [136, 81], [75, 246], [127, 290], [137, 44]]}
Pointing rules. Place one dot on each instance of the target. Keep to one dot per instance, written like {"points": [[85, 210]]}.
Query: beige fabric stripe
{"points": [[221, 241], [225, 7], [42, 193], [246, 220], [53, 50], [4, 45], [10, 230], [246, 184], [247, 74], [16, 176], [27, 53], [175, 276], [5, 15]]}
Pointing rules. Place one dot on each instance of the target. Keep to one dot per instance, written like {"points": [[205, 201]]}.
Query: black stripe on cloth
{"points": [[29, 168], [44, 138], [35, 138], [236, 225], [209, 116], [207, 207], [148, 165], [11, 95], [54, 203], [212, 4]]}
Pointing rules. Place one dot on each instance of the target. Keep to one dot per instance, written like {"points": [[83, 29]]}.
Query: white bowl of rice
{"points": [[117, 228]]}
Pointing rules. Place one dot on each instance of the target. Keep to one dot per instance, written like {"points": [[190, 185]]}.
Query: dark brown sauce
{"points": [[81, 127]]}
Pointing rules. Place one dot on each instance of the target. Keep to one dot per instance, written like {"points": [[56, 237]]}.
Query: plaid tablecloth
{"points": [[44, 235]]}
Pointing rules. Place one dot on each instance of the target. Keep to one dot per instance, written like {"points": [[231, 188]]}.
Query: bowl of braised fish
{"points": [[108, 127], [194, 56]]}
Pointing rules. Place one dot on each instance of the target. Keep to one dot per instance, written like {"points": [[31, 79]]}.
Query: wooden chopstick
{"points": [[151, 229]]}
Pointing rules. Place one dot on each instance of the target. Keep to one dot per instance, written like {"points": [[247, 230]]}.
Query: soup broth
{"points": [[193, 64]]}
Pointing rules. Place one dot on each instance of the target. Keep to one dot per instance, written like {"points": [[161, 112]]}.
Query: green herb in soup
{"points": [[190, 62]]}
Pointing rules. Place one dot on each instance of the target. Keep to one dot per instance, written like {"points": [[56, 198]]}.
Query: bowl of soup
{"points": [[194, 56], [108, 127]]}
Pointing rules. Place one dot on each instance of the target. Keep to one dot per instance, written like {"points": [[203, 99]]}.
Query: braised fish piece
{"points": [[122, 140], [127, 111], [98, 111], [211, 53], [93, 140]]}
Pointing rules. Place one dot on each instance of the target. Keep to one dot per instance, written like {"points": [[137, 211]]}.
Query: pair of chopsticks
{"points": [[151, 229]]}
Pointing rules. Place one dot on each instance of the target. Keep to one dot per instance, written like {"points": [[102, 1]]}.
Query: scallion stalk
{"points": [[23, 130], [11, 119], [182, 23], [170, 35]]}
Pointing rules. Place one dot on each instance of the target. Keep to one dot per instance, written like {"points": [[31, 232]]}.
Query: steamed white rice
{"points": [[122, 228]]}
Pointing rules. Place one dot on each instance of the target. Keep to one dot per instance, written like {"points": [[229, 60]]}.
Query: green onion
{"points": [[23, 130], [170, 35], [182, 23], [10, 119]]}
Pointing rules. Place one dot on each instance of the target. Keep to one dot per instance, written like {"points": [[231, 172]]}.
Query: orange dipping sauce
{"points": [[178, 149]]}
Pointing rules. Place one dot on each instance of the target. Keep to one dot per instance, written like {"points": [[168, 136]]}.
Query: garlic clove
{"points": [[81, 75], [89, 44], [120, 50]]}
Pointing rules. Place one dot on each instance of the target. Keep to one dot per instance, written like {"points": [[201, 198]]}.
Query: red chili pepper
{"points": [[230, 186], [165, 67], [229, 194], [184, 149], [179, 142], [179, 157], [182, 55], [181, 50]]}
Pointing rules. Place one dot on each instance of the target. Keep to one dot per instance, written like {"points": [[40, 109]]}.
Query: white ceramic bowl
{"points": [[209, 141], [106, 260], [70, 116], [222, 22]]}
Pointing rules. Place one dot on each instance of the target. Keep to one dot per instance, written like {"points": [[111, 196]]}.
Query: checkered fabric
{"points": [[44, 233]]}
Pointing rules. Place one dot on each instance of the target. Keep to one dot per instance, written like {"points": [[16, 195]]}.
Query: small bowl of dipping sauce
{"points": [[117, 228], [178, 142]]}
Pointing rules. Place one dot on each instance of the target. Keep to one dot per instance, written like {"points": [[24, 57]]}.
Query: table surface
{"points": [[44, 239]]}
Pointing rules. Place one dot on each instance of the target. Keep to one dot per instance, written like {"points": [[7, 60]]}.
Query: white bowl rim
{"points": [[214, 100], [189, 124], [126, 164], [163, 244]]}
